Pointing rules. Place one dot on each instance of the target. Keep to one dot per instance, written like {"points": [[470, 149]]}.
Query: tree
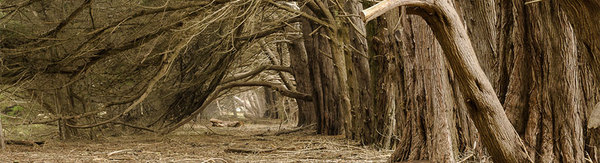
{"points": [[117, 57], [551, 56]]}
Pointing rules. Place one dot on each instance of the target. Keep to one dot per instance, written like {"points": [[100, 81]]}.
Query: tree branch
{"points": [[256, 72], [160, 74], [70, 18], [272, 57], [283, 91], [303, 14]]}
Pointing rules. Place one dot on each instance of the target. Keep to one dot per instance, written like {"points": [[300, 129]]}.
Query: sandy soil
{"points": [[199, 144]]}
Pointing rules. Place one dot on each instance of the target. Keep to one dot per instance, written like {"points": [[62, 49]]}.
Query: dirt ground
{"points": [[199, 144]]}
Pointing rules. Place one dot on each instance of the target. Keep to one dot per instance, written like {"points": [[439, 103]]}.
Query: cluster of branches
{"points": [[150, 65]]}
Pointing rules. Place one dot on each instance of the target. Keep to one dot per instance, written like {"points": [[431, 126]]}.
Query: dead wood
{"points": [[2, 145], [25, 142], [294, 130], [242, 150], [287, 131], [220, 123]]}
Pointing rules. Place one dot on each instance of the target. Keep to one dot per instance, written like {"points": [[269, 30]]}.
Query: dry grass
{"points": [[199, 144]]}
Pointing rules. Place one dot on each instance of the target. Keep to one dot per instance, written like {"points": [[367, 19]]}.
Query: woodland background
{"points": [[433, 79]]}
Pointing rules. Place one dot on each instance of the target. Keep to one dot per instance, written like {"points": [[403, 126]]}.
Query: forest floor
{"points": [[197, 143]]}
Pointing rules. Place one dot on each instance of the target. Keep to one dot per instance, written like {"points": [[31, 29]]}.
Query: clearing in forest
{"points": [[249, 143]]}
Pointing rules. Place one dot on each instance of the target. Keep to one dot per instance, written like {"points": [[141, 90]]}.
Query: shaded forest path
{"points": [[198, 144]]}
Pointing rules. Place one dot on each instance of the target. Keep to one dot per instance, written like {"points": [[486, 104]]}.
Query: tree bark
{"points": [[300, 70], [325, 83], [499, 137], [413, 80], [548, 112], [271, 100]]}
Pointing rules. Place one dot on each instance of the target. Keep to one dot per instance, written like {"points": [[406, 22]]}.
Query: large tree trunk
{"points": [[324, 81], [339, 67], [549, 112], [300, 68], [544, 69], [359, 75], [415, 92], [498, 135]]}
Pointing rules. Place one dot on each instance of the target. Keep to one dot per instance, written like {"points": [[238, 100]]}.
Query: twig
{"points": [[534, 1], [256, 72], [466, 158], [294, 130], [214, 160], [272, 57], [214, 131], [277, 87], [287, 131], [134, 126], [303, 14], [119, 151], [242, 150], [70, 18], [2, 145]]}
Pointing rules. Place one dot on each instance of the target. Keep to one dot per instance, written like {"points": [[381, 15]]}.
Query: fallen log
{"points": [[220, 123], [25, 142]]}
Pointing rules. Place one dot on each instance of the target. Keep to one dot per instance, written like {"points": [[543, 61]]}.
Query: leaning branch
{"points": [[303, 14], [70, 18], [288, 84], [277, 87], [161, 73], [256, 72], [215, 94]]}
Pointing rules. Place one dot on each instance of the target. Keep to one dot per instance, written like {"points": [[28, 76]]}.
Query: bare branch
{"points": [[283, 91], [161, 73], [271, 57], [255, 72], [70, 18], [303, 14]]}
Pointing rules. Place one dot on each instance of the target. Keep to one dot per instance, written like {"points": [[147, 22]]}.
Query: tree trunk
{"points": [[359, 75], [325, 83], [544, 70], [499, 137], [339, 67], [300, 68], [65, 107], [271, 103], [415, 90], [549, 112]]}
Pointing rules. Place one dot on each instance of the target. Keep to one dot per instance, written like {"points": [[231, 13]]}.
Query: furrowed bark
{"points": [[498, 135], [301, 72]]}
